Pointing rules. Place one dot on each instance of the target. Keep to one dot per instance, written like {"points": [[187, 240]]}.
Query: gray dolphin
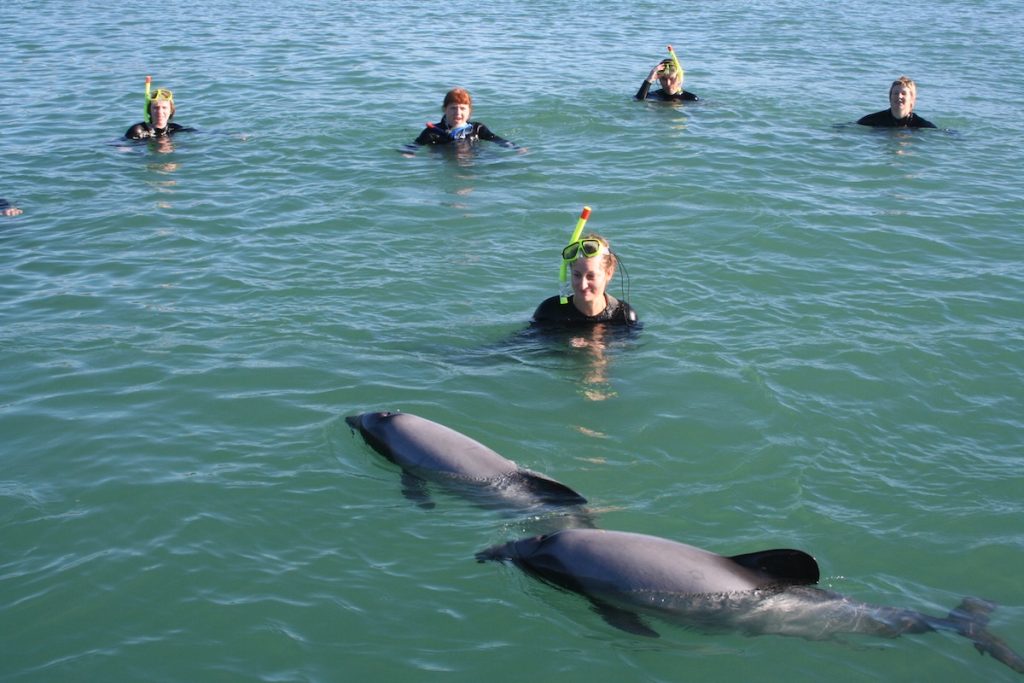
{"points": [[429, 451], [626, 575]]}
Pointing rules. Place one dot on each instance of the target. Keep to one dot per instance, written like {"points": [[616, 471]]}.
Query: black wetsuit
{"points": [[141, 131], [441, 134], [885, 119], [644, 93], [553, 312]]}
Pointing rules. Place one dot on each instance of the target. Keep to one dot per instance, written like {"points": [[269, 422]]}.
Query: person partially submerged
{"points": [[671, 80], [159, 112], [455, 124], [900, 114], [592, 264]]}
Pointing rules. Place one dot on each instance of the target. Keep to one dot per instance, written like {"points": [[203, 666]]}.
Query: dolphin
{"points": [[628, 575], [429, 451]]}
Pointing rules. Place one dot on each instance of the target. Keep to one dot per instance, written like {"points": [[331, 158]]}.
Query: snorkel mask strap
{"points": [[149, 83], [563, 295]]}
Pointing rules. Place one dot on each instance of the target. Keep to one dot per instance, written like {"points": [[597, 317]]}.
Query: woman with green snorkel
{"points": [[590, 264], [158, 112], [670, 73]]}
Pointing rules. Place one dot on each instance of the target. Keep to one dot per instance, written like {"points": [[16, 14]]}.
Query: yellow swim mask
{"points": [[161, 94]]}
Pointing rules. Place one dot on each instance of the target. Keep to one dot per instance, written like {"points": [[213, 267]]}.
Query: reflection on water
{"points": [[593, 345], [584, 352]]}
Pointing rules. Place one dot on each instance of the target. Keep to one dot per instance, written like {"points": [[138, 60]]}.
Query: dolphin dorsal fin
{"points": [[549, 490], [783, 564]]}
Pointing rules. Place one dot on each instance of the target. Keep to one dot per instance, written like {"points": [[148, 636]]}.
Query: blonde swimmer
{"points": [[669, 73], [158, 114]]}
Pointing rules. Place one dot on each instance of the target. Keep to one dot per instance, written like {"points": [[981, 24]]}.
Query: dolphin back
{"points": [[632, 564], [429, 451], [422, 445]]}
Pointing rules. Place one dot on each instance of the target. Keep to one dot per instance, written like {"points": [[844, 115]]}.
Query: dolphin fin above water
{"points": [[786, 565], [547, 489]]}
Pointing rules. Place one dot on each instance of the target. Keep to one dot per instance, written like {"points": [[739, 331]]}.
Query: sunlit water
{"points": [[832, 352]]}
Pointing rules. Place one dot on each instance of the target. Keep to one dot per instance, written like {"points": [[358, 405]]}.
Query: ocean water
{"points": [[831, 358]]}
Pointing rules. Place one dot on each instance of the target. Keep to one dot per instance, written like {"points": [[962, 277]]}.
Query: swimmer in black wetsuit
{"points": [[158, 121], [900, 114], [8, 209], [671, 85], [455, 124], [593, 265]]}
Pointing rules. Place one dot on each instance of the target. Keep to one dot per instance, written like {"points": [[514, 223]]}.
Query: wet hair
{"points": [[904, 82], [457, 96]]}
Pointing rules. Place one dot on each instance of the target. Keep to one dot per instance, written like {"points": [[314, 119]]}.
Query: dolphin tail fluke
{"points": [[970, 619], [549, 490]]}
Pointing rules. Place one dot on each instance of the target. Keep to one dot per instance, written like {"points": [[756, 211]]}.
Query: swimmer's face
{"points": [[160, 113], [590, 277], [671, 81], [901, 101], [457, 114]]}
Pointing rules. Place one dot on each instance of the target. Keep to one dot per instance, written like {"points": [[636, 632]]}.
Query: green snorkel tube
{"points": [[679, 67], [563, 295], [149, 82]]}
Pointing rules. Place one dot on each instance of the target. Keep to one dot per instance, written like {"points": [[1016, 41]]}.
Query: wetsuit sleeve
{"points": [[484, 133], [137, 132], [645, 88], [690, 97], [426, 137]]}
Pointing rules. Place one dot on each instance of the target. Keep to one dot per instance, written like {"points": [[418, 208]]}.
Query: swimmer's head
{"points": [[671, 79], [161, 107], [902, 97], [457, 107], [592, 265]]}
